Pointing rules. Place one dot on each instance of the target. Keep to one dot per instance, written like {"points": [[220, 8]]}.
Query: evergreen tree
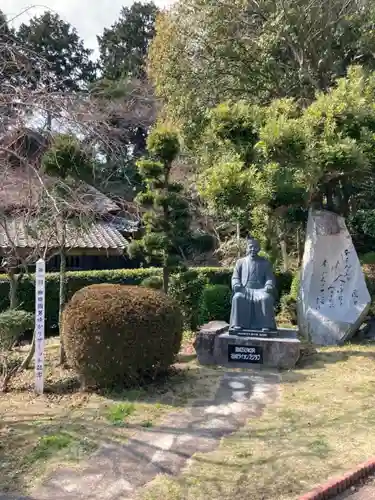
{"points": [[69, 67], [10, 64], [167, 218], [123, 47], [206, 52], [6, 42]]}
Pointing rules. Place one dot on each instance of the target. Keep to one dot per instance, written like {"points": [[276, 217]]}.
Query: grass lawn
{"points": [[65, 425], [323, 424]]}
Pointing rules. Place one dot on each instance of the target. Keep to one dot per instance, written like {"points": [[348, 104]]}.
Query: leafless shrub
{"points": [[42, 215]]}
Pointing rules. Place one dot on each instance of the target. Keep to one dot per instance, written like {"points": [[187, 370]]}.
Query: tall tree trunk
{"points": [[26, 362], [345, 209], [165, 278], [9, 373], [238, 231], [284, 254], [166, 270], [330, 198], [49, 121], [283, 247], [14, 302], [268, 243], [62, 296], [13, 288], [299, 248]]}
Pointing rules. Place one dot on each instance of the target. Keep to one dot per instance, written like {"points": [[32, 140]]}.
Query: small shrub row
{"points": [[203, 297], [185, 287], [215, 304], [13, 323], [199, 301]]}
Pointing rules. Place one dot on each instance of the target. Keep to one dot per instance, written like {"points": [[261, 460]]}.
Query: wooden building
{"points": [[92, 228]]}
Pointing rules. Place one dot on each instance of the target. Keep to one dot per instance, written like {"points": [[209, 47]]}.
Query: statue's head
{"points": [[253, 247]]}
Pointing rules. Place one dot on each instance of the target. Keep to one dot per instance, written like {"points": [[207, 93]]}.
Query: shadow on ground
{"points": [[129, 459], [68, 424], [119, 467], [323, 358], [15, 497]]}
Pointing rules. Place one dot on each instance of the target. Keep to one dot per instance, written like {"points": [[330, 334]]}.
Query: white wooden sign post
{"points": [[40, 279]]}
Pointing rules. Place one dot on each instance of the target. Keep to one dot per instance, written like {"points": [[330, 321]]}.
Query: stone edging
{"points": [[339, 484]]}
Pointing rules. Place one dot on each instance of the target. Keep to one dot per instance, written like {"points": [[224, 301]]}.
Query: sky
{"points": [[88, 16]]}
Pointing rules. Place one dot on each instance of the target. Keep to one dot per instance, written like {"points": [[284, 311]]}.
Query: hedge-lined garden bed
{"points": [[77, 280]]}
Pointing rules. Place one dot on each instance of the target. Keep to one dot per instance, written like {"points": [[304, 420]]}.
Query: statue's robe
{"points": [[252, 306]]}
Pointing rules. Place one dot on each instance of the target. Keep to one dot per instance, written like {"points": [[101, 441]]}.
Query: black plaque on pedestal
{"points": [[245, 354]]}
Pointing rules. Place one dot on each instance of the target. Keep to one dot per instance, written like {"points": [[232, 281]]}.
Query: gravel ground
{"points": [[363, 491]]}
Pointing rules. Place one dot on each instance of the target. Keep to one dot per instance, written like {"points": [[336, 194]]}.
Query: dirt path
{"points": [[116, 471]]}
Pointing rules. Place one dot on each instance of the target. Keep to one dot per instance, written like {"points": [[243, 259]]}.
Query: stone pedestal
{"points": [[216, 346], [204, 342], [248, 352]]}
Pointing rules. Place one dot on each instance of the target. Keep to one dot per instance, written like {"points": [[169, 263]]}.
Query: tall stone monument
{"points": [[334, 299]]}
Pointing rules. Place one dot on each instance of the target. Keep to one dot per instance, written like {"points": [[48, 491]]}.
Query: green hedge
{"points": [[186, 288], [215, 304], [80, 279]]}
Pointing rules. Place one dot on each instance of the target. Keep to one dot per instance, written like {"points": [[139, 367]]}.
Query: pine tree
{"points": [[123, 47], [10, 63], [57, 43], [167, 217]]}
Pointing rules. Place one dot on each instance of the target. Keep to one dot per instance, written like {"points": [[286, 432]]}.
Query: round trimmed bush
{"points": [[116, 334]]}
